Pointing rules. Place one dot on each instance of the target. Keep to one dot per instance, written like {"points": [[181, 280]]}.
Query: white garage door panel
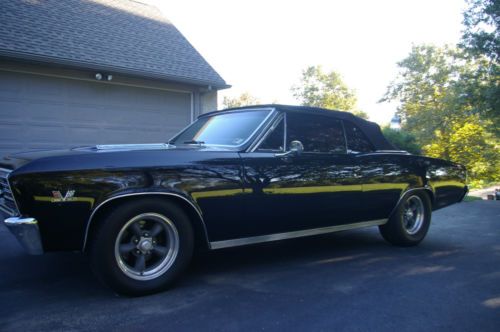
{"points": [[9, 130], [44, 112], [40, 112], [10, 111]]}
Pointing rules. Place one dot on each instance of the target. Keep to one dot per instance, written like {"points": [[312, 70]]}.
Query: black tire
{"points": [[106, 257], [398, 230]]}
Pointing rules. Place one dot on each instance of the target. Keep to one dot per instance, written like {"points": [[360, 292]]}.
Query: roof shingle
{"points": [[117, 35]]}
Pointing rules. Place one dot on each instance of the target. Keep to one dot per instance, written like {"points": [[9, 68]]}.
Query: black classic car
{"points": [[233, 177]]}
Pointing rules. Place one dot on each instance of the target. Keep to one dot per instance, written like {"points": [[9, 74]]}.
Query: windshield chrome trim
{"points": [[285, 132], [9, 172], [272, 112], [267, 131]]}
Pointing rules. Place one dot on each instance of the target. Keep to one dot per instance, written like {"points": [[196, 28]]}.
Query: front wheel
{"points": [[142, 246], [410, 222]]}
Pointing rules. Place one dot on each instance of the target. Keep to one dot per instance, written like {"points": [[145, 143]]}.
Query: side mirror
{"points": [[296, 149]]}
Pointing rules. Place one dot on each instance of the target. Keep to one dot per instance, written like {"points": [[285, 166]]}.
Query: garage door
{"points": [[41, 112]]}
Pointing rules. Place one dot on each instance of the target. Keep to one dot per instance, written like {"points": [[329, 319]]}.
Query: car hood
{"points": [[106, 156]]}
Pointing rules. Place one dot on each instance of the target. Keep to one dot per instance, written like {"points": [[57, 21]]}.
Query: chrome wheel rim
{"points": [[147, 246], [413, 214]]}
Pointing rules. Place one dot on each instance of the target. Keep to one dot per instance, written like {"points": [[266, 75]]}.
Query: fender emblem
{"points": [[58, 197]]}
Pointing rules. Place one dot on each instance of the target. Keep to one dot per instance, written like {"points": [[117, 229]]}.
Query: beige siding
{"points": [[208, 101]]}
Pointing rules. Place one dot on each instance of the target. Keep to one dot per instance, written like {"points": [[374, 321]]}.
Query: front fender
{"points": [[64, 203], [184, 199]]}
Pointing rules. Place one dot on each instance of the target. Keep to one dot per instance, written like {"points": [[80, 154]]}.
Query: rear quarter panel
{"points": [[387, 176], [448, 181]]}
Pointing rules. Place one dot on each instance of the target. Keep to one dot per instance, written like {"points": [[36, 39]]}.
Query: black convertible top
{"points": [[370, 129]]}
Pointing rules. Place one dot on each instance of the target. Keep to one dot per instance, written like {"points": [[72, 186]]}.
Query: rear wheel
{"points": [[410, 223], [142, 246]]}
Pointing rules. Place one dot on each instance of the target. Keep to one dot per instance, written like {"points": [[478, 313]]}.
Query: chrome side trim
{"points": [[141, 194], [291, 235], [27, 233], [392, 151], [382, 152]]}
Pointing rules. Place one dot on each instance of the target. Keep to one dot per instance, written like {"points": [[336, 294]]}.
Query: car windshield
{"points": [[228, 129]]}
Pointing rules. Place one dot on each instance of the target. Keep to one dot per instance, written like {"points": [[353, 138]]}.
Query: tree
{"points": [[481, 36], [402, 140], [422, 90], [450, 97], [326, 90], [441, 107], [479, 89], [469, 144], [244, 99], [481, 41]]}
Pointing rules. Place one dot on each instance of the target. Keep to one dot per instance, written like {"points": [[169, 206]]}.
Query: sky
{"points": [[261, 47]]}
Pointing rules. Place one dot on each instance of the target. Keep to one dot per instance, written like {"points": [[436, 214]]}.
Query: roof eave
{"points": [[87, 65]]}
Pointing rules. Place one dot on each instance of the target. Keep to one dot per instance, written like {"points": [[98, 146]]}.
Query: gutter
{"points": [[88, 65]]}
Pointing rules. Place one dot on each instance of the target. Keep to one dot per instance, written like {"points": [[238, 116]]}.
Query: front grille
{"points": [[7, 203]]}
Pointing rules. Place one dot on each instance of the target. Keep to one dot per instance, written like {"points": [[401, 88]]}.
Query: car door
{"points": [[384, 175], [317, 188]]}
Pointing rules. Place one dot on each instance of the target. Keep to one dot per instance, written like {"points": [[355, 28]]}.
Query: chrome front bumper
{"points": [[27, 233]]}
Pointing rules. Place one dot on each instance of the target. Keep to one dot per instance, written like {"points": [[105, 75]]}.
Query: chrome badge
{"points": [[58, 197]]}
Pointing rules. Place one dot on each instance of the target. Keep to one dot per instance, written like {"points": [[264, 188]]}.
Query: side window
{"points": [[356, 140], [316, 132], [274, 142]]}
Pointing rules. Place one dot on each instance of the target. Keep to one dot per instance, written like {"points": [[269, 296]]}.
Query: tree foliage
{"points": [[327, 90], [481, 36], [245, 99], [422, 89], [450, 97], [442, 106], [481, 41], [402, 140], [469, 144]]}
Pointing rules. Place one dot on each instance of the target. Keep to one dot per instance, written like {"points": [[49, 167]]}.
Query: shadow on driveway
{"points": [[351, 280]]}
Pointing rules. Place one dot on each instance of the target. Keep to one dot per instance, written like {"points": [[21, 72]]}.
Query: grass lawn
{"points": [[472, 198]]}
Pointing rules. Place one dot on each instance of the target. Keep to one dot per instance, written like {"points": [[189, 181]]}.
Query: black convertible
{"points": [[232, 178]]}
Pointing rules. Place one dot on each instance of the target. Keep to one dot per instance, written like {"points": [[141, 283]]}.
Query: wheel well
{"points": [[425, 190], [201, 237], [432, 198]]}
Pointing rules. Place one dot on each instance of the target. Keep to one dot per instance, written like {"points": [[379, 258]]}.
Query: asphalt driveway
{"points": [[351, 281]]}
